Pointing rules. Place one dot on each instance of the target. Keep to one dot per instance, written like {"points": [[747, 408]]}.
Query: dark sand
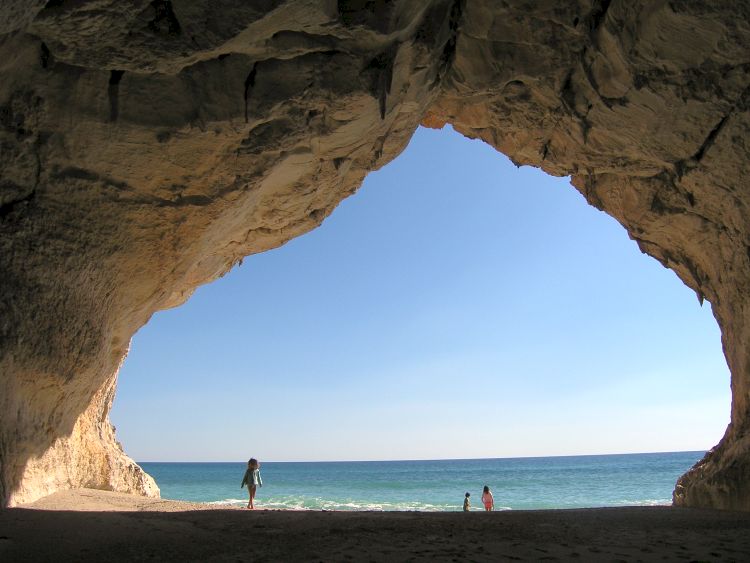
{"points": [[99, 526]]}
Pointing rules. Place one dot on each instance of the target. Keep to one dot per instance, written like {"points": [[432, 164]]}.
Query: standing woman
{"points": [[253, 480], [487, 499]]}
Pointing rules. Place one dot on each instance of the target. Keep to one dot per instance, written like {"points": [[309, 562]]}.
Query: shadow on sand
{"points": [[653, 533]]}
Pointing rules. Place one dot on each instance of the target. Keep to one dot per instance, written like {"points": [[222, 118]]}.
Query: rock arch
{"points": [[147, 147]]}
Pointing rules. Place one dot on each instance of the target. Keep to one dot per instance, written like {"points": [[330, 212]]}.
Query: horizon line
{"points": [[434, 459]]}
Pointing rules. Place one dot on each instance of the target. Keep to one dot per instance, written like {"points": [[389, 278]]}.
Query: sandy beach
{"points": [[89, 525]]}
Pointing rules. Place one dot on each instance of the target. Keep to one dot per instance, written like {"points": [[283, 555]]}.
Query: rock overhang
{"points": [[149, 146]]}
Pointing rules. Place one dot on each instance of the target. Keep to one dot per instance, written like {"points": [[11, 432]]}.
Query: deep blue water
{"points": [[520, 483]]}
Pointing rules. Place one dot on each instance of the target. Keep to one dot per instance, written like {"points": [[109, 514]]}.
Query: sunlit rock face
{"points": [[146, 147]]}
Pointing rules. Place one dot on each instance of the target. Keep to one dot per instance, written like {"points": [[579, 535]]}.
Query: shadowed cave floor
{"points": [[151, 532]]}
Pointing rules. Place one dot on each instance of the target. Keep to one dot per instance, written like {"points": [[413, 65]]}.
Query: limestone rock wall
{"points": [[146, 147], [645, 105], [90, 456]]}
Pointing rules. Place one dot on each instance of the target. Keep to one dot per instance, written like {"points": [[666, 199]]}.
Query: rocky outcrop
{"points": [[89, 456], [147, 147]]}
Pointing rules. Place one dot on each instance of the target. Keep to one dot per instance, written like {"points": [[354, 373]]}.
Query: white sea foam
{"points": [[228, 502], [297, 503], [317, 503], [647, 502]]}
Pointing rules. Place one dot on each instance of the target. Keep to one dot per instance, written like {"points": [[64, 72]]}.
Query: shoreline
{"points": [[91, 525], [88, 500]]}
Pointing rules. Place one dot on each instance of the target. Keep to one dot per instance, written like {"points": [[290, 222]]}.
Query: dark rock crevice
{"points": [[249, 83], [710, 138], [164, 21], [381, 69], [448, 55], [597, 15], [8, 207], [113, 92], [44, 55]]}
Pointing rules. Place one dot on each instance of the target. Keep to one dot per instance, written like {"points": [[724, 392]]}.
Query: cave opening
{"points": [[455, 307]]}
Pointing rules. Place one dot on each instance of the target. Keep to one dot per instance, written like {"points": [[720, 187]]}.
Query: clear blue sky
{"points": [[454, 307]]}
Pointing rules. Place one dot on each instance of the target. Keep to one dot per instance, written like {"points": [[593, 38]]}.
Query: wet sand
{"points": [[89, 525]]}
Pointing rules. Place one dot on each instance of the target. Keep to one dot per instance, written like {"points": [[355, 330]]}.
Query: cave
{"points": [[147, 147]]}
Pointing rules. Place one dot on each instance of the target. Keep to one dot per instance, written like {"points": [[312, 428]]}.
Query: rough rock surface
{"points": [[89, 457], [146, 147]]}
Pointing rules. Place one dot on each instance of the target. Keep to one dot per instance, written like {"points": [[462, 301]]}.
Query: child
{"points": [[467, 502], [253, 480], [487, 499]]}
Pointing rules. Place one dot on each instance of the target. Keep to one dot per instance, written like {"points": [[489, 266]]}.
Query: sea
{"points": [[435, 485]]}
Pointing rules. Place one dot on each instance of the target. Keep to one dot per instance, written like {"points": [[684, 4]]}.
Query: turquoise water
{"points": [[521, 483]]}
